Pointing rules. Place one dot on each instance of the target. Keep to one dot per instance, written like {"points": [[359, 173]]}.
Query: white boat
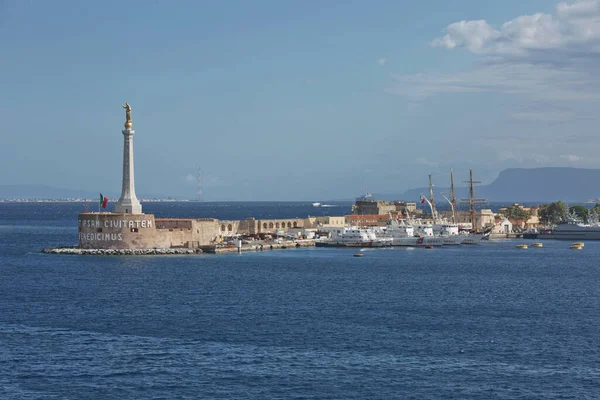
{"points": [[446, 232], [425, 231], [316, 204], [473, 237], [354, 237], [449, 233], [404, 234]]}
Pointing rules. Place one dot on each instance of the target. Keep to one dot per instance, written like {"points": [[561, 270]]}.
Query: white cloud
{"points": [[529, 158], [573, 28], [543, 115], [382, 61], [424, 161], [534, 81], [547, 60], [543, 70], [571, 158], [470, 34]]}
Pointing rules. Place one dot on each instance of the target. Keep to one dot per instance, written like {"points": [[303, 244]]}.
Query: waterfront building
{"points": [[367, 220], [324, 221], [379, 207]]}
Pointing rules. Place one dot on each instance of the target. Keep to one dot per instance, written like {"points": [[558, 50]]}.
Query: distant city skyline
{"points": [[295, 100]]}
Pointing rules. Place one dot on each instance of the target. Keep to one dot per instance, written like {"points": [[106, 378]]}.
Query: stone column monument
{"points": [[128, 202]]}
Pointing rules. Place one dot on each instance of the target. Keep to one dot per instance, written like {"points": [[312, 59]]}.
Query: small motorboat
{"points": [[429, 246], [576, 246], [581, 244], [521, 246], [358, 255], [537, 244]]}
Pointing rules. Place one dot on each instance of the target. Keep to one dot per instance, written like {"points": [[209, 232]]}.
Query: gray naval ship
{"points": [[571, 229]]}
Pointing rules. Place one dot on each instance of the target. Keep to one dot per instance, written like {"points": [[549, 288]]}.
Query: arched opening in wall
{"points": [[289, 224], [229, 227], [265, 225], [223, 228], [295, 224], [270, 225], [277, 225]]}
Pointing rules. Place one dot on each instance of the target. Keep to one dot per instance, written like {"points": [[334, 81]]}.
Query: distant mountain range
{"points": [[48, 192], [526, 185], [42, 192], [512, 185]]}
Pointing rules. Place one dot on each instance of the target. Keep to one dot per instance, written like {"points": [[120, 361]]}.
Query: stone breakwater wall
{"points": [[212, 249], [258, 247], [117, 252]]}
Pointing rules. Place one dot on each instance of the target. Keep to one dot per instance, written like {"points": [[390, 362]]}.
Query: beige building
{"points": [[325, 221], [381, 207], [532, 222], [483, 218]]}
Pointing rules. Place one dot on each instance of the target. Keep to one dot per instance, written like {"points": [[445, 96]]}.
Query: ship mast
{"points": [[472, 201], [432, 200], [453, 199]]}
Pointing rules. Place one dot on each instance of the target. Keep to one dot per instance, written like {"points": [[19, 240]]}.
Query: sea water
{"points": [[485, 321]]}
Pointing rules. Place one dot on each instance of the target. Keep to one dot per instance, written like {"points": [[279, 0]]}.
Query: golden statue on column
{"points": [[128, 123]]}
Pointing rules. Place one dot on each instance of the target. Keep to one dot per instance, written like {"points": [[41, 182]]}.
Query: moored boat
{"points": [[572, 230], [353, 237]]}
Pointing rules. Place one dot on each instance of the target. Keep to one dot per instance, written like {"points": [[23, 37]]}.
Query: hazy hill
{"points": [[42, 192], [528, 185], [49, 192], [544, 184]]}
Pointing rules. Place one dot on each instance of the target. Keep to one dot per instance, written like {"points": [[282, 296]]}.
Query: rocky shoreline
{"points": [[212, 249], [117, 252]]}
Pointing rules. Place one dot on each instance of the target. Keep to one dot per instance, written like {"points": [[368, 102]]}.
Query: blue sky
{"points": [[297, 100]]}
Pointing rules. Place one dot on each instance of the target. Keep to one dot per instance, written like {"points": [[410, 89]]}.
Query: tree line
{"points": [[557, 212], [553, 213]]}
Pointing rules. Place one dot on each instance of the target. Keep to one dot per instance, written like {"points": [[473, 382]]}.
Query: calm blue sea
{"points": [[479, 322]]}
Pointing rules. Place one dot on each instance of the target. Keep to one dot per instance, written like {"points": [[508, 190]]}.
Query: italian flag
{"points": [[103, 201]]}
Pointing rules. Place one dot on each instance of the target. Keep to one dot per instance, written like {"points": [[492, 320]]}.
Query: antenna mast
{"points": [[199, 191], [472, 201], [453, 199]]}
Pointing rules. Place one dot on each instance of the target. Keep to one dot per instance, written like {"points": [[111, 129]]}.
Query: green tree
{"points": [[515, 212], [553, 213], [580, 211]]}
